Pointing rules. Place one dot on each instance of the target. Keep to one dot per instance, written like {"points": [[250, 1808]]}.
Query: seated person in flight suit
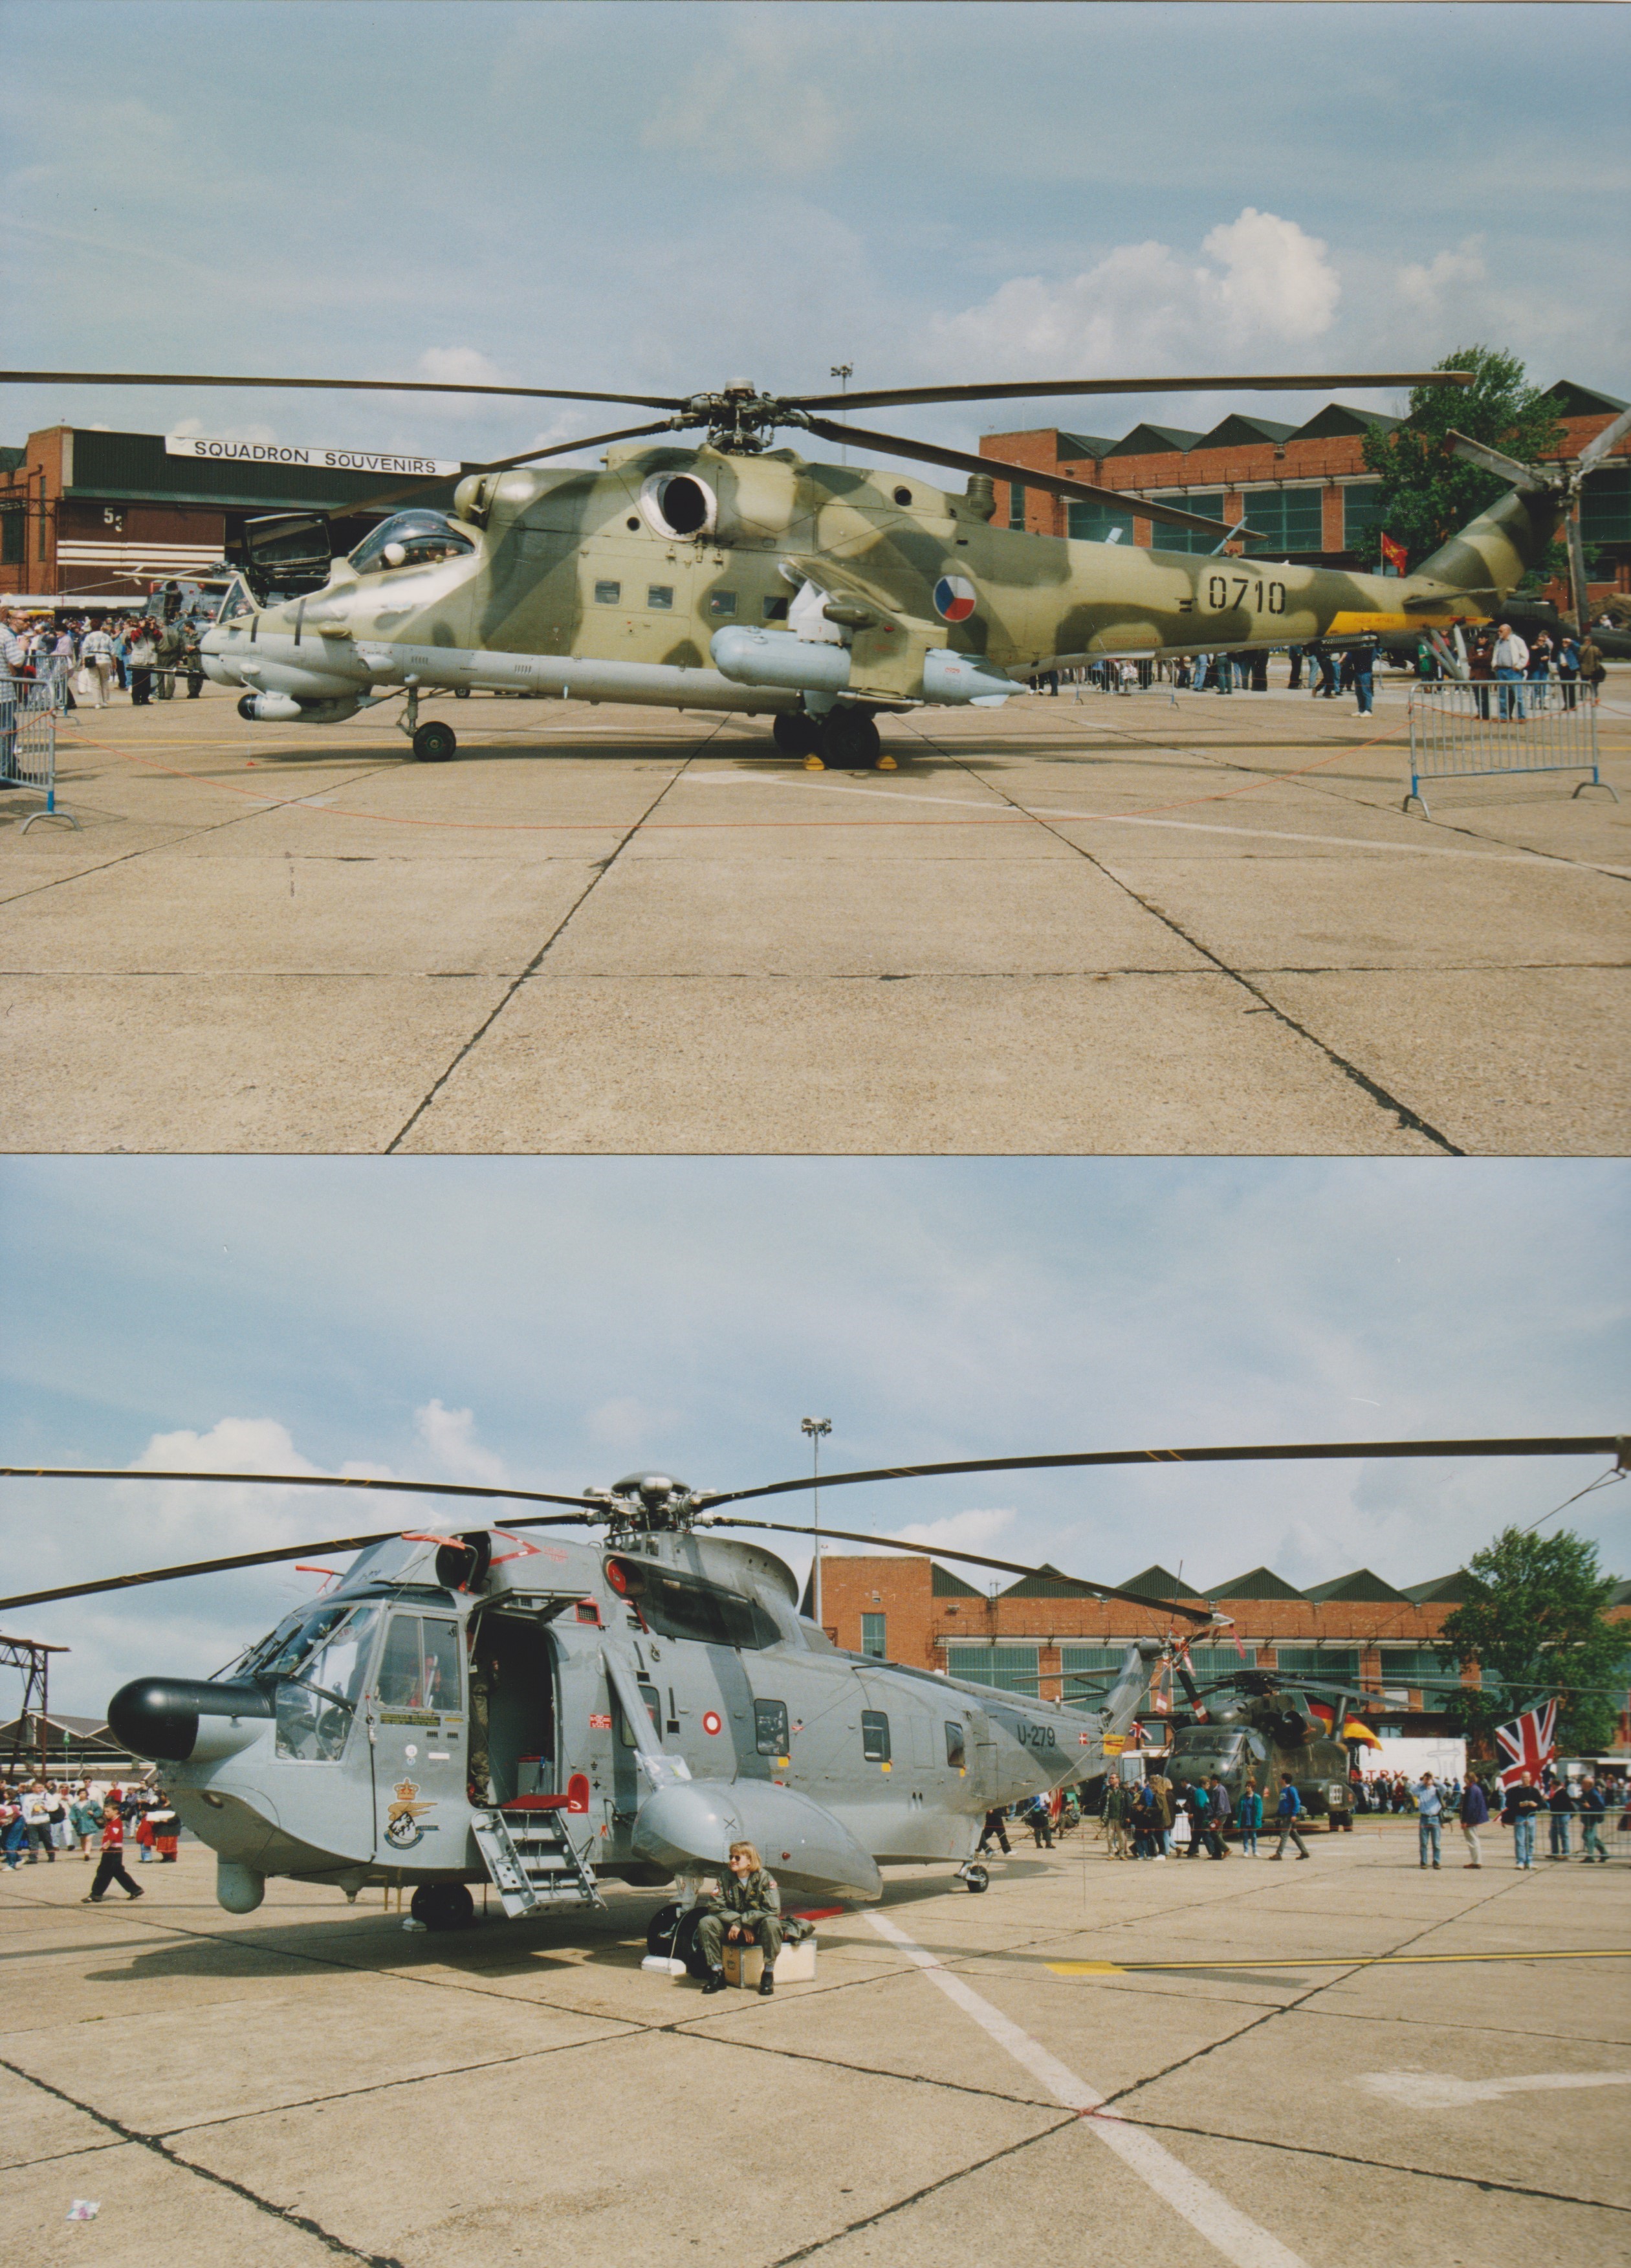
{"points": [[747, 1912]]}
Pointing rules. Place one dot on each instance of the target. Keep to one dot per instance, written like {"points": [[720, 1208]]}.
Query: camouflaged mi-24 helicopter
{"points": [[545, 1712], [738, 577]]}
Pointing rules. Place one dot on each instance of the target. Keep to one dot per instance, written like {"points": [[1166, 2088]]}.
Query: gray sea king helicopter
{"points": [[546, 1713], [734, 575]]}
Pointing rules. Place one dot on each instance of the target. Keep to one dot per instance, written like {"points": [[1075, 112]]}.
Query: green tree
{"points": [[1427, 493], [1537, 1629]]}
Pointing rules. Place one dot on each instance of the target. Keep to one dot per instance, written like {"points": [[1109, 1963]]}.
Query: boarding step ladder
{"points": [[532, 1859]]}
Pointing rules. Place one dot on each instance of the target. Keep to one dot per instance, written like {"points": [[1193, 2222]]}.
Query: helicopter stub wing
{"points": [[690, 1829]]}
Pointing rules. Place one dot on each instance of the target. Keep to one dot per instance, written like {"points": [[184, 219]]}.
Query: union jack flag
{"points": [[1528, 1744]]}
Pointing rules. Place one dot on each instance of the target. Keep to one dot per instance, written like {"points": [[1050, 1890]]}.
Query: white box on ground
{"points": [[795, 1964]]}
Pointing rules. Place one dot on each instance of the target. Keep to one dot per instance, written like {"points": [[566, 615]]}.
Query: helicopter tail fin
{"points": [[1492, 554]]}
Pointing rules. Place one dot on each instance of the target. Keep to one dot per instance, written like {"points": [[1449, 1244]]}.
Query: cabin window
{"points": [[956, 1747], [660, 598], [722, 602], [776, 610], [315, 1703], [875, 1736], [420, 1666], [653, 1701], [872, 1640], [770, 1733], [608, 594]]}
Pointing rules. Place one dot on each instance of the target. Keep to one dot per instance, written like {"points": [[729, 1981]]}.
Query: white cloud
{"points": [[219, 430], [458, 366], [1427, 284], [961, 1531], [448, 1437], [1264, 281], [765, 101]]}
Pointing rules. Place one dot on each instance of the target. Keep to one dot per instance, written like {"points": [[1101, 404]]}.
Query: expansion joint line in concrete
{"points": [[929, 2189], [159, 2150], [1410, 1121], [602, 869]]}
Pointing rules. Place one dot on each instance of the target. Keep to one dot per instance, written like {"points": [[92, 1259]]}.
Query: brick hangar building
{"points": [[1032, 1636], [1305, 488]]}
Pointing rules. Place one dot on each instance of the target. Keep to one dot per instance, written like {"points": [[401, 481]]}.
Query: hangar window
{"points": [[1093, 523], [770, 1733], [660, 598], [1009, 1669], [1208, 502], [1015, 505], [13, 531], [409, 539], [1361, 512], [875, 1736], [1292, 519], [722, 602], [608, 594], [873, 1639]]}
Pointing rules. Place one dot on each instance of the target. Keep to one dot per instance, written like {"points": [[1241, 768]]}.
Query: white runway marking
{"points": [[1205, 2210], [1426, 2090], [1134, 819]]}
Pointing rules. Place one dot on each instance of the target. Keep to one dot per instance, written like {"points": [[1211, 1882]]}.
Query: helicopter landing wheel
{"points": [[796, 734], [443, 1905], [848, 741], [434, 744], [978, 1878]]}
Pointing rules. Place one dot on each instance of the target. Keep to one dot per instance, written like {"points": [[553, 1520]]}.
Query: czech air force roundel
{"points": [[954, 599]]}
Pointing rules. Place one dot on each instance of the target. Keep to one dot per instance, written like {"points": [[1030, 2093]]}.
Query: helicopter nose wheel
{"points": [[443, 1905], [977, 1877], [434, 744]]}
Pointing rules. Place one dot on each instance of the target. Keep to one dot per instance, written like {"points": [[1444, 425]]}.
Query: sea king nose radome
{"points": [[183, 1719]]}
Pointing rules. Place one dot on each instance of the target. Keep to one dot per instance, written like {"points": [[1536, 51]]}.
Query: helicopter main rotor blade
{"points": [[1054, 484], [1604, 442], [1495, 461], [394, 496], [1560, 1445], [330, 386], [297, 1480], [1156, 1607], [892, 397]]}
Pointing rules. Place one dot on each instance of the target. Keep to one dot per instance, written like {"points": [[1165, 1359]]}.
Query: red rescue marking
{"points": [[711, 1723], [578, 1792]]}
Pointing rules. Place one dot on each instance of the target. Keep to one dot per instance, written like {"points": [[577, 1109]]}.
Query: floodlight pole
{"points": [[816, 1427], [843, 371]]}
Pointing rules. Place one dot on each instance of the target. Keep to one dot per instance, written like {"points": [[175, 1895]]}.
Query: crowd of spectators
{"points": [[89, 659], [41, 1819]]}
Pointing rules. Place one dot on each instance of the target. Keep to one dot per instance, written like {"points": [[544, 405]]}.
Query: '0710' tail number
{"points": [[1217, 595]]}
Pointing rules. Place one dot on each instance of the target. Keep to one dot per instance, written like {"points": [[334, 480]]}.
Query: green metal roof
{"points": [[1066, 446], [1260, 1583], [1336, 420], [1362, 1585], [1444, 1590], [1236, 430], [1048, 1583], [1570, 399], [1161, 1584], [1154, 441], [944, 1585]]}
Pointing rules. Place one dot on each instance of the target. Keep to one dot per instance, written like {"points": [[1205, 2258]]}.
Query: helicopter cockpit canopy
{"points": [[409, 539], [318, 1661]]}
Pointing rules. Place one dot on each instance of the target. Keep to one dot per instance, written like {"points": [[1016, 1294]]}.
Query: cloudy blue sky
{"points": [[558, 1321], [658, 196]]}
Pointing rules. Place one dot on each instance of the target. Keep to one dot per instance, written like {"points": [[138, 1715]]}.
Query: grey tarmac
{"points": [[1128, 926], [311, 2083]]}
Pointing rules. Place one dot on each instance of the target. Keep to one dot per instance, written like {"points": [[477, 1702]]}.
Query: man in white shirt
{"points": [[97, 655], [13, 655], [1510, 660]]}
